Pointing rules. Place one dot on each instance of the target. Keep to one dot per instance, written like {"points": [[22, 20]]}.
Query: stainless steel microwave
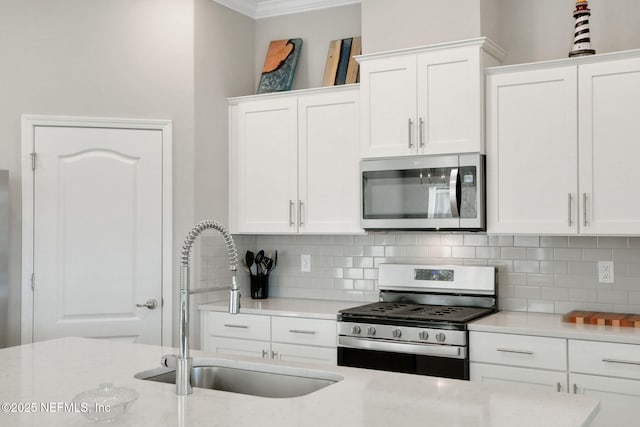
{"points": [[444, 192]]}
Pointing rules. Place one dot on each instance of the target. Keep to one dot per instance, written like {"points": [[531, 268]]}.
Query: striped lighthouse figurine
{"points": [[581, 35]]}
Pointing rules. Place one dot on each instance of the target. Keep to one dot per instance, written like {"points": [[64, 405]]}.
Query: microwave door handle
{"points": [[453, 192]]}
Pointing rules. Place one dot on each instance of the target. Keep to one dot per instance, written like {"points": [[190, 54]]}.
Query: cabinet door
{"points": [[529, 379], [449, 101], [236, 346], [619, 398], [263, 166], [388, 110], [304, 353], [532, 155], [609, 149], [328, 163]]}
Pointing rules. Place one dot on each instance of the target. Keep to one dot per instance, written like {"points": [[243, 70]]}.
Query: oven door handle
{"points": [[437, 350]]}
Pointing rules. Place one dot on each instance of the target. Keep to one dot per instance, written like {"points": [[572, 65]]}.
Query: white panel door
{"points": [[609, 149], [264, 155], [97, 233], [532, 156], [449, 99], [388, 94], [328, 163]]}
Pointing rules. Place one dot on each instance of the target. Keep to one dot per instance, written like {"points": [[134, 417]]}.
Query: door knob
{"points": [[150, 304]]}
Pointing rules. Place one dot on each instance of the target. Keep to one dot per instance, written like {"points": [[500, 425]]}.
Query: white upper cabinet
{"points": [[294, 162], [532, 155], [561, 152], [425, 100], [609, 125]]}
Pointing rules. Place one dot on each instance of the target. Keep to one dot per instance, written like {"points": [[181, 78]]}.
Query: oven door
{"points": [[423, 192], [400, 357]]}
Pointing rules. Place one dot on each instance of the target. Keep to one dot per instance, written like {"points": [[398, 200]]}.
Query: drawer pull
{"points": [[625, 362], [507, 350], [558, 387], [231, 325], [301, 331]]}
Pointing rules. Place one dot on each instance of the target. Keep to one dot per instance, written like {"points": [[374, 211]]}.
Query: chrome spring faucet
{"points": [[184, 362]]}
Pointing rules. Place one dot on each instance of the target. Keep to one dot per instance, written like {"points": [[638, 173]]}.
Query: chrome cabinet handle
{"points": [[265, 354], [291, 206], [421, 131], [274, 354], [231, 325], [624, 362], [508, 350], [300, 211], [558, 387], [410, 125], [301, 331], [453, 192], [575, 389], [584, 208], [150, 304], [570, 213]]}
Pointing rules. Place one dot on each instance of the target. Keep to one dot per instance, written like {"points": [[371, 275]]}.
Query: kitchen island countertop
{"points": [[57, 370]]}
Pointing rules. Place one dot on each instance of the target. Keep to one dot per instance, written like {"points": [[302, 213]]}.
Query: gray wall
{"points": [[400, 24], [4, 255], [116, 58], [316, 29], [527, 30]]}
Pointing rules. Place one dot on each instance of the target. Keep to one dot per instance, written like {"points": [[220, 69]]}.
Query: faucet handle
{"points": [[169, 361]]}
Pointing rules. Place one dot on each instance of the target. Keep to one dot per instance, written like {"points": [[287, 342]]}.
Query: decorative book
{"points": [[280, 65], [341, 67]]}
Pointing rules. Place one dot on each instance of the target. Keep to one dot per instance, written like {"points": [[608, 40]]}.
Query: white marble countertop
{"points": [[551, 325], [293, 307], [57, 370]]}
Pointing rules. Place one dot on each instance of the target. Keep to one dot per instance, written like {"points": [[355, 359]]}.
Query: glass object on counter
{"points": [[105, 403]]}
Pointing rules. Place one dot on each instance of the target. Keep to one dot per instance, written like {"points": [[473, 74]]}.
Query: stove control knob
{"points": [[424, 335], [397, 333], [440, 337], [355, 329], [371, 330]]}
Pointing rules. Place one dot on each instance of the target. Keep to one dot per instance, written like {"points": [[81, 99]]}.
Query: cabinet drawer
{"points": [[518, 350], [248, 326], [303, 353], [604, 358], [295, 330], [236, 346]]}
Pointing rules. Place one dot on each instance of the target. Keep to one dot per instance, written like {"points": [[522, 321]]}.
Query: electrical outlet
{"points": [[605, 271], [305, 263]]}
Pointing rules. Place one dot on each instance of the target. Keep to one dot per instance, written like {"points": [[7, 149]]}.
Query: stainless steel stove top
{"points": [[415, 312]]}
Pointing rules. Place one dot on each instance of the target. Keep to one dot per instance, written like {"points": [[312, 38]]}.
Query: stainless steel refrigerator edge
{"points": [[439, 192], [4, 256]]}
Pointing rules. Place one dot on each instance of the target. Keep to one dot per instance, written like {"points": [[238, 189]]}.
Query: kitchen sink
{"points": [[248, 378]]}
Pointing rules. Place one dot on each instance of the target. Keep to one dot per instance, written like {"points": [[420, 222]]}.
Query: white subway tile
{"points": [[353, 273], [541, 306], [353, 250], [452, 240], [534, 279], [526, 266], [429, 239], [363, 262], [373, 251], [342, 261], [613, 242], [407, 239], [526, 241], [500, 240], [582, 242], [364, 239], [463, 252], [439, 251], [385, 239], [597, 254], [554, 242], [540, 254], [583, 268], [583, 295], [513, 253], [476, 240], [561, 254], [513, 304], [526, 292], [395, 251], [612, 296], [556, 294], [487, 252]]}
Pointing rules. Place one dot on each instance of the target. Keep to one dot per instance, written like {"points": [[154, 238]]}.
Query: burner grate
{"points": [[416, 312]]}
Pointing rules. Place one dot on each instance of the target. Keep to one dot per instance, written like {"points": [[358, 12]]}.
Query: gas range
{"points": [[420, 321]]}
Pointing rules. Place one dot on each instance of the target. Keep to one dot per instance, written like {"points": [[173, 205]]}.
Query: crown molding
{"points": [[258, 9]]}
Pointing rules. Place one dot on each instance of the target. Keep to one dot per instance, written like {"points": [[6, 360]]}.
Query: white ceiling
{"points": [[257, 9]]}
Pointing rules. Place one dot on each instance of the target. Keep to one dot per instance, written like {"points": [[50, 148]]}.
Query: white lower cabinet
{"points": [[270, 337], [609, 372]]}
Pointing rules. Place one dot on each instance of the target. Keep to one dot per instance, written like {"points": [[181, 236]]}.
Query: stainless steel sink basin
{"points": [[248, 378]]}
